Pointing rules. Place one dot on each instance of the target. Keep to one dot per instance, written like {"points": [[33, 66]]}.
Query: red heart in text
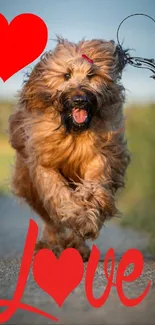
{"points": [[58, 277]]}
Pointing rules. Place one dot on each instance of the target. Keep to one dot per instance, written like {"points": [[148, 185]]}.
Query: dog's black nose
{"points": [[79, 100]]}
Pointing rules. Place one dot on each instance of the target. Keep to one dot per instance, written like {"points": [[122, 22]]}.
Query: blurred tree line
{"points": [[6, 107]]}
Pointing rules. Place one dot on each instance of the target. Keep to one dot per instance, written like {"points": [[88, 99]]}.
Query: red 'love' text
{"points": [[59, 295]]}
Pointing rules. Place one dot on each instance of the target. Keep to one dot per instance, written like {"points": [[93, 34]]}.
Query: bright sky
{"points": [[75, 19]]}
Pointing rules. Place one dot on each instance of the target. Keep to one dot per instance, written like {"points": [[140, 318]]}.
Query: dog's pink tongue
{"points": [[79, 115]]}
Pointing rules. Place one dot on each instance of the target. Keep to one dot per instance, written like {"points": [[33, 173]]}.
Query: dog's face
{"points": [[78, 81]]}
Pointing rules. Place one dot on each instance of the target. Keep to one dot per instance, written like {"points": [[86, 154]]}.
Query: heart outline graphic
{"points": [[58, 277], [22, 41]]}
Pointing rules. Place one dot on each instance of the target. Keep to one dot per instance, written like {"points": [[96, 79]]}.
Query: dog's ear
{"points": [[35, 94], [28, 94], [120, 56]]}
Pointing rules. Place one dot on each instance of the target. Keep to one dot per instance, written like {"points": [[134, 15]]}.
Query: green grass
{"points": [[6, 107], [138, 199], [6, 153], [6, 160]]}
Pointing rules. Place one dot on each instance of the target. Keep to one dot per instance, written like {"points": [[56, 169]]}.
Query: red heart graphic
{"points": [[21, 42], [58, 277]]}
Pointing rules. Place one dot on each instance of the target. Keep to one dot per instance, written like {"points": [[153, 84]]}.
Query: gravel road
{"points": [[14, 220]]}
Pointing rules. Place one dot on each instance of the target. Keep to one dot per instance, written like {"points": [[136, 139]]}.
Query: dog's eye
{"points": [[67, 76], [90, 76]]}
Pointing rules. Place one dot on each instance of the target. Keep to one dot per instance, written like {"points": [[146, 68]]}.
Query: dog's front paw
{"points": [[88, 225], [84, 221], [88, 230], [56, 249]]}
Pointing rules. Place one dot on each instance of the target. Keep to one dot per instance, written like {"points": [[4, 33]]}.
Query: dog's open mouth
{"points": [[80, 115]]}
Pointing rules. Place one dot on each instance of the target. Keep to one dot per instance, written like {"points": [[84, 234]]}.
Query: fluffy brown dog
{"points": [[68, 133]]}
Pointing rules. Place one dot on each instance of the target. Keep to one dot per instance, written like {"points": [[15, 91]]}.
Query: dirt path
{"points": [[76, 309]]}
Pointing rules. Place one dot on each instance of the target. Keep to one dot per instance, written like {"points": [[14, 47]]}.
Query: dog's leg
{"points": [[57, 197], [74, 210], [96, 195], [100, 183], [53, 239], [74, 241], [57, 240], [85, 209]]}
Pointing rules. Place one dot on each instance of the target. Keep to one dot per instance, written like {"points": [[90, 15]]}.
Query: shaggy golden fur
{"points": [[70, 177]]}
